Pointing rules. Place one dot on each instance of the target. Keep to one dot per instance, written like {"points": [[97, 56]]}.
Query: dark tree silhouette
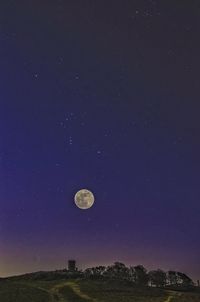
{"points": [[117, 271], [157, 278], [88, 272], [172, 278], [184, 280], [95, 272], [139, 275]]}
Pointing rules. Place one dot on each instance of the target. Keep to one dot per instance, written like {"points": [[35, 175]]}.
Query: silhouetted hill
{"points": [[83, 290]]}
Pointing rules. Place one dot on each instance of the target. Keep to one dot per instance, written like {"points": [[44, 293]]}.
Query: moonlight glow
{"points": [[84, 199]]}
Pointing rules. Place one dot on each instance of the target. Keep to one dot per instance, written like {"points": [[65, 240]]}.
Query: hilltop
{"points": [[115, 283], [80, 290]]}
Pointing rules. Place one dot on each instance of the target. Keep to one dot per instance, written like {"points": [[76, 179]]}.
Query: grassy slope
{"points": [[17, 292], [85, 290]]}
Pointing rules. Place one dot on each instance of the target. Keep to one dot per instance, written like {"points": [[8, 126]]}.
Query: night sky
{"points": [[102, 95]]}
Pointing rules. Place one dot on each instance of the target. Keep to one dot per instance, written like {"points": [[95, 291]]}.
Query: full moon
{"points": [[84, 199]]}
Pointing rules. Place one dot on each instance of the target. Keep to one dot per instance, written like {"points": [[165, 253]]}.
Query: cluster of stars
{"points": [[73, 120]]}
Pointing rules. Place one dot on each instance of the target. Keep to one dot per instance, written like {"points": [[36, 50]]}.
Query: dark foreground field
{"points": [[85, 290]]}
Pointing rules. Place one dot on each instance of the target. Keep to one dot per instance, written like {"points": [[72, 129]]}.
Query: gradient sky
{"points": [[101, 95]]}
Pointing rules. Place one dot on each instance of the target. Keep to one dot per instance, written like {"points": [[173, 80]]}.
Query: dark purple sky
{"points": [[101, 95]]}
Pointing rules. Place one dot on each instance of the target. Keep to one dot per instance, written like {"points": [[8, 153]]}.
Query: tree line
{"points": [[139, 275]]}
